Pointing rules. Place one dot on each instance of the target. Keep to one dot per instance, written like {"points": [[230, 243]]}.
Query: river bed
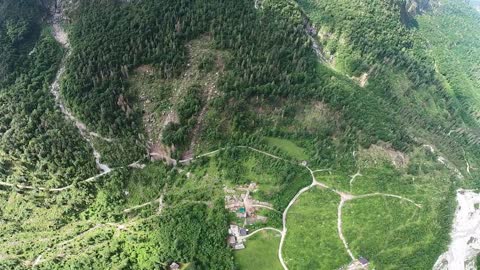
{"points": [[465, 244], [61, 36]]}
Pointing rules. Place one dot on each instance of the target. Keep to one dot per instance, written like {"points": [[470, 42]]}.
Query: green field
{"points": [[312, 241], [288, 147], [391, 233], [268, 182], [261, 252]]}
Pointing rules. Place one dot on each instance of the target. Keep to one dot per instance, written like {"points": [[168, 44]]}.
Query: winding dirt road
{"points": [[340, 228], [352, 179], [159, 201], [264, 206], [344, 196], [259, 230], [24, 187], [135, 165]]}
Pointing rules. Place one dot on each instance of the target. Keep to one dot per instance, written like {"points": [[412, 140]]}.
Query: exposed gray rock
{"points": [[416, 7]]}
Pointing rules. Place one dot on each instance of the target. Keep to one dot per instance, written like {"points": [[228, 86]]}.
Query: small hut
{"points": [[174, 266], [363, 261]]}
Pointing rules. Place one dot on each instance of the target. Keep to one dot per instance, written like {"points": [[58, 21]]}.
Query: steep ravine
{"points": [[62, 37]]}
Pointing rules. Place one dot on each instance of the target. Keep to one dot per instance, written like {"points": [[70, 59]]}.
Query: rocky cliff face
{"points": [[415, 7], [475, 4], [411, 8]]}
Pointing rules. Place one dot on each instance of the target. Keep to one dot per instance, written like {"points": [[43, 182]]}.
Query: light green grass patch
{"points": [[147, 184], [383, 179], [261, 252], [312, 240], [288, 147], [334, 179], [267, 183], [186, 266], [391, 233]]}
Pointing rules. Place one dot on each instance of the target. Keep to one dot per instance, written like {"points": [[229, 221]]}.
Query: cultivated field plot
{"points": [[261, 252], [388, 232], [288, 147], [312, 240]]}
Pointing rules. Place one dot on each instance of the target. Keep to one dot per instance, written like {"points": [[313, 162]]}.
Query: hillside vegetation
{"points": [[452, 40], [365, 107], [37, 145]]}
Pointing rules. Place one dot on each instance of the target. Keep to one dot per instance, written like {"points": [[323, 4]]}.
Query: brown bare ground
{"points": [[384, 151], [145, 69], [155, 120], [161, 152], [123, 103]]}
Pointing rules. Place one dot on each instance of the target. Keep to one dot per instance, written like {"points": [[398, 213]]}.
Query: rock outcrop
{"points": [[416, 7]]}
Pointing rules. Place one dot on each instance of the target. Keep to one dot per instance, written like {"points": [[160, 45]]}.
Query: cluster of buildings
{"points": [[235, 203], [236, 237], [240, 202]]}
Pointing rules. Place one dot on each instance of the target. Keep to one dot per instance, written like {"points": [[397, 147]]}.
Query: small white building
{"points": [[174, 266], [234, 230], [239, 246]]}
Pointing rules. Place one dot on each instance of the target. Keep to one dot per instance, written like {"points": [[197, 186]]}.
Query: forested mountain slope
{"points": [[452, 34], [38, 145], [344, 126]]}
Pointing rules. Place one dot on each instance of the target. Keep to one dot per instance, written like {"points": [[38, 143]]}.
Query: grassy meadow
{"points": [[260, 252], [312, 241]]}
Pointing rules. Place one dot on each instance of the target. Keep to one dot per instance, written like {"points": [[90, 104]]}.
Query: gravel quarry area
{"points": [[465, 245]]}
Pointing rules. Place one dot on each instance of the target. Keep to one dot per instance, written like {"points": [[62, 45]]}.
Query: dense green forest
{"points": [[402, 85], [451, 35], [343, 87], [141, 37], [37, 145], [19, 31]]}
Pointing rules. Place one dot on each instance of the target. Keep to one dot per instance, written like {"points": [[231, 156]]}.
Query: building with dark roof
{"points": [[363, 261], [243, 232]]}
